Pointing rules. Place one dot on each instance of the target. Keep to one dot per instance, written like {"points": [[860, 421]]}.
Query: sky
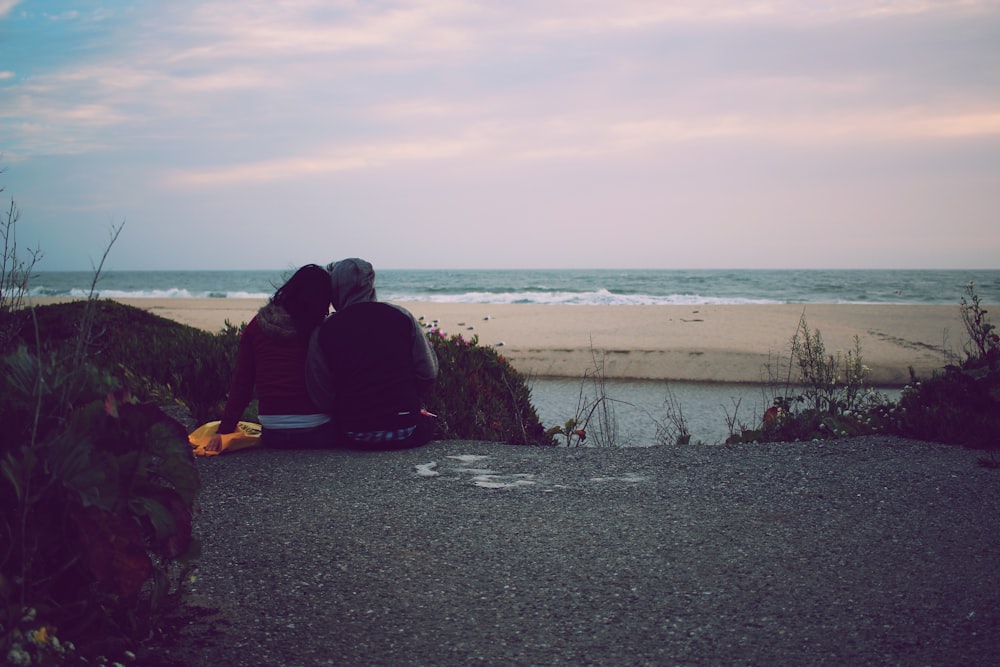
{"points": [[245, 134]]}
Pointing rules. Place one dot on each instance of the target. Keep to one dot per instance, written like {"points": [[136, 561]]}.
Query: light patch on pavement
{"points": [[427, 469]]}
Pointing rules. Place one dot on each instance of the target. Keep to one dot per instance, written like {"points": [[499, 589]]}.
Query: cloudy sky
{"points": [[446, 134]]}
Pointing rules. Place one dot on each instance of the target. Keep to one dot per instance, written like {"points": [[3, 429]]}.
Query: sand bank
{"points": [[717, 343]]}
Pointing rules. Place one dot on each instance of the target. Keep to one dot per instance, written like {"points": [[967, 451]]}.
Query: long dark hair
{"points": [[306, 297]]}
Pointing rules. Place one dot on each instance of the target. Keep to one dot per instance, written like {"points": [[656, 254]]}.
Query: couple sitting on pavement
{"points": [[353, 378]]}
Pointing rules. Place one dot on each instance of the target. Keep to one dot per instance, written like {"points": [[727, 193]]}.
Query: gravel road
{"points": [[865, 551]]}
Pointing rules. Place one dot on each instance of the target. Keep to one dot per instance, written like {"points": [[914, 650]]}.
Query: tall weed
{"points": [[15, 273], [823, 396], [595, 416]]}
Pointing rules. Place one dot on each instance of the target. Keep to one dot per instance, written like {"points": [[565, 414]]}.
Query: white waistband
{"points": [[293, 421]]}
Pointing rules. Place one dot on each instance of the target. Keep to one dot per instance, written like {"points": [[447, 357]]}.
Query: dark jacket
{"points": [[369, 361]]}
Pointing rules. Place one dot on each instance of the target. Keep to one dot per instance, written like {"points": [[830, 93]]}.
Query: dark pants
{"points": [[392, 434], [319, 437]]}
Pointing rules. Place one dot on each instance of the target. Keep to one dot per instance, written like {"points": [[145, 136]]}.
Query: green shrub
{"points": [[97, 490], [961, 404], [957, 406], [829, 397], [98, 494], [157, 358], [480, 396], [790, 419]]}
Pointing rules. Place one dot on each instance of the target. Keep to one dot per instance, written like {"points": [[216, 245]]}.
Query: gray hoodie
{"points": [[353, 282]]}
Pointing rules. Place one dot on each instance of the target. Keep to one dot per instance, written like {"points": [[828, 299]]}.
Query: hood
{"points": [[275, 322], [353, 282]]}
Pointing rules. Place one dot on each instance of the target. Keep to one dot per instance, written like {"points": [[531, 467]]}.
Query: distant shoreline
{"points": [[699, 343], [600, 287]]}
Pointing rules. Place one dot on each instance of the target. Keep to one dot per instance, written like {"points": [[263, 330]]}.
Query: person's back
{"points": [[273, 356], [271, 361], [369, 363], [368, 351]]}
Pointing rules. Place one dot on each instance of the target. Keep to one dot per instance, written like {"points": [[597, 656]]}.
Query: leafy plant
{"points": [[961, 404], [574, 430], [984, 343], [98, 496], [97, 490], [480, 396], [159, 359], [831, 383], [829, 398]]}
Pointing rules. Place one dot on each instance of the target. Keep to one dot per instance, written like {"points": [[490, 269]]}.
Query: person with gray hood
{"points": [[369, 364]]}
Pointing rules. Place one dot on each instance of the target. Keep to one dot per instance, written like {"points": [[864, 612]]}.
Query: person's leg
{"points": [[423, 432]]}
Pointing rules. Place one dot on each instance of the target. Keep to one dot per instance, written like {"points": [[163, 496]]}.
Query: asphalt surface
{"points": [[866, 551]]}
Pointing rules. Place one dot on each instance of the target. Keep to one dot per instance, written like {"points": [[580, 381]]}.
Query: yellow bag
{"points": [[247, 434]]}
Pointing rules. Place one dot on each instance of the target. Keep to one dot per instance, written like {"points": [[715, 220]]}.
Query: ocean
{"points": [[564, 286], [638, 406]]}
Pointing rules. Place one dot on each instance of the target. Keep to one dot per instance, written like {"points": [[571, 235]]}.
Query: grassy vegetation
{"points": [[961, 403], [821, 395], [830, 397], [480, 396], [158, 359], [594, 422]]}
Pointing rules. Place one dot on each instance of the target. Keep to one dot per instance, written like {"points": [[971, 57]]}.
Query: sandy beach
{"points": [[712, 343]]}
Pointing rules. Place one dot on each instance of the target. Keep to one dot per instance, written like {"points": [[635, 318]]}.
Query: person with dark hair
{"points": [[368, 365], [272, 359]]}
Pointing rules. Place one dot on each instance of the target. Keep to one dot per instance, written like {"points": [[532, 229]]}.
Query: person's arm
{"points": [[241, 387], [319, 379]]}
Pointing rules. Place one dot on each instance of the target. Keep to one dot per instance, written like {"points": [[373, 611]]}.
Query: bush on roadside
{"points": [[97, 490], [98, 494], [480, 396], [960, 404], [823, 396], [830, 396], [957, 406], [158, 359]]}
